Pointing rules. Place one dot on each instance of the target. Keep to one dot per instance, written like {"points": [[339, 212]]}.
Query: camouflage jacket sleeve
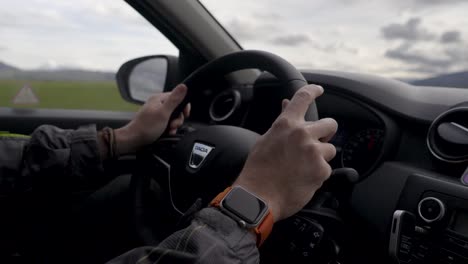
{"points": [[70, 159], [212, 237], [50, 155]]}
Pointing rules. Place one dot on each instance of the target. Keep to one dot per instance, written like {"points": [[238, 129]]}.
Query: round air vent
{"points": [[224, 105], [448, 135]]}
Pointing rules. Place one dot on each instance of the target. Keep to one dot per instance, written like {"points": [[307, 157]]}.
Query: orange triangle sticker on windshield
{"points": [[25, 96]]}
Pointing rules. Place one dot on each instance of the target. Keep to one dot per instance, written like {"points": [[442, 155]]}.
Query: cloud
{"points": [[337, 46], [411, 30], [416, 6], [437, 2], [260, 29], [291, 40], [241, 29], [6, 18], [35, 20], [110, 9], [76, 34], [405, 53], [430, 60], [450, 36], [248, 30], [458, 54], [432, 55], [268, 16]]}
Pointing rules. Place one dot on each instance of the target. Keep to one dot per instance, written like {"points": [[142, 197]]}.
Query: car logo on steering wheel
{"points": [[199, 153]]}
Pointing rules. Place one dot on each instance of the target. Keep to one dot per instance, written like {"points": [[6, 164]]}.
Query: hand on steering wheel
{"points": [[289, 163], [152, 120]]}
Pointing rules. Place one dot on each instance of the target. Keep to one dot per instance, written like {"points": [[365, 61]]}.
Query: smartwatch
{"points": [[247, 209]]}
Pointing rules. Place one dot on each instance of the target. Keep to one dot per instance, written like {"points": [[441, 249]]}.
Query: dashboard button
{"points": [[447, 256], [431, 209]]}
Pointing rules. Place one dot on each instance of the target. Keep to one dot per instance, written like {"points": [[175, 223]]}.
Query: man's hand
{"points": [[151, 121], [290, 161]]}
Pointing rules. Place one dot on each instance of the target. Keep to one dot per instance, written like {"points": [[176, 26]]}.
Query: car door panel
{"points": [[24, 121]]}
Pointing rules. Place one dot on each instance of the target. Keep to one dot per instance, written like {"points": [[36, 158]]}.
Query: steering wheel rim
{"points": [[290, 79]]}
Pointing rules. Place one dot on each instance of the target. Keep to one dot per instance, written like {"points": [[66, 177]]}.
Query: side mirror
{"points": [[140, 78]]}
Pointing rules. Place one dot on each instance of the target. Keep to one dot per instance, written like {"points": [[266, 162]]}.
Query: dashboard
{"points": [[365, 135], [361, 149], [390, 132], [379, 119]]}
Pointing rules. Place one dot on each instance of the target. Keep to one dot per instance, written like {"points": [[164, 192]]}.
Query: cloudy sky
{"points": [[398, 38], [93, 34]]}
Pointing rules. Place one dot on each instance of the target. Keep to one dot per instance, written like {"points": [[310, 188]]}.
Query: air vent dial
{"points": [[224, 105], [448, 135]]}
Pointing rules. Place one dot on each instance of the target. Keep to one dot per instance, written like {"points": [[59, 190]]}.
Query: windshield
{"points": [[410, 40]]}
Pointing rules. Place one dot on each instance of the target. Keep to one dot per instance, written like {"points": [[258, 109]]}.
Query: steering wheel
{"points": [[202, 162]]}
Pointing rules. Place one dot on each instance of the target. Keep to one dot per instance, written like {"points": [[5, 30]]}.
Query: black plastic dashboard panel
{"points": [[416, 102], [419, 184], [354, 117], [375, 199], [398, 186]]}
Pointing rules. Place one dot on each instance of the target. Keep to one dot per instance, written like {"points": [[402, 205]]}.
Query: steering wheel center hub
{"points": [[206, 161]]}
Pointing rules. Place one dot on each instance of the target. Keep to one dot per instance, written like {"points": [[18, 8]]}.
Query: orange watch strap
{"points": [[216, 202], [262, 231]]}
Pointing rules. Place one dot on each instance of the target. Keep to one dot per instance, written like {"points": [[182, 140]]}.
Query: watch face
{"points": [[245, 205]]}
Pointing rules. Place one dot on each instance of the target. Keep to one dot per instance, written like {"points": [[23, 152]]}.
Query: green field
{"points": [[67, 95]]}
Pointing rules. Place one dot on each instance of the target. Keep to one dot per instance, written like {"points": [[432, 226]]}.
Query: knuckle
{"points": [[305, 94], [282, 122], [314, 150], [299, 133], [333, 148], [327, 171], [161, 113], [175, 123], [154, 96]]}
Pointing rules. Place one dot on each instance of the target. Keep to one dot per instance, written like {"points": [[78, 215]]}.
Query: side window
{"points": [[64, 54]]}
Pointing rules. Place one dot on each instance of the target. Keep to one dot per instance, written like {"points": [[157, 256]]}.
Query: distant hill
{"points": [[6, 67], [458, 79], [11, 72], [7, 71]]}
